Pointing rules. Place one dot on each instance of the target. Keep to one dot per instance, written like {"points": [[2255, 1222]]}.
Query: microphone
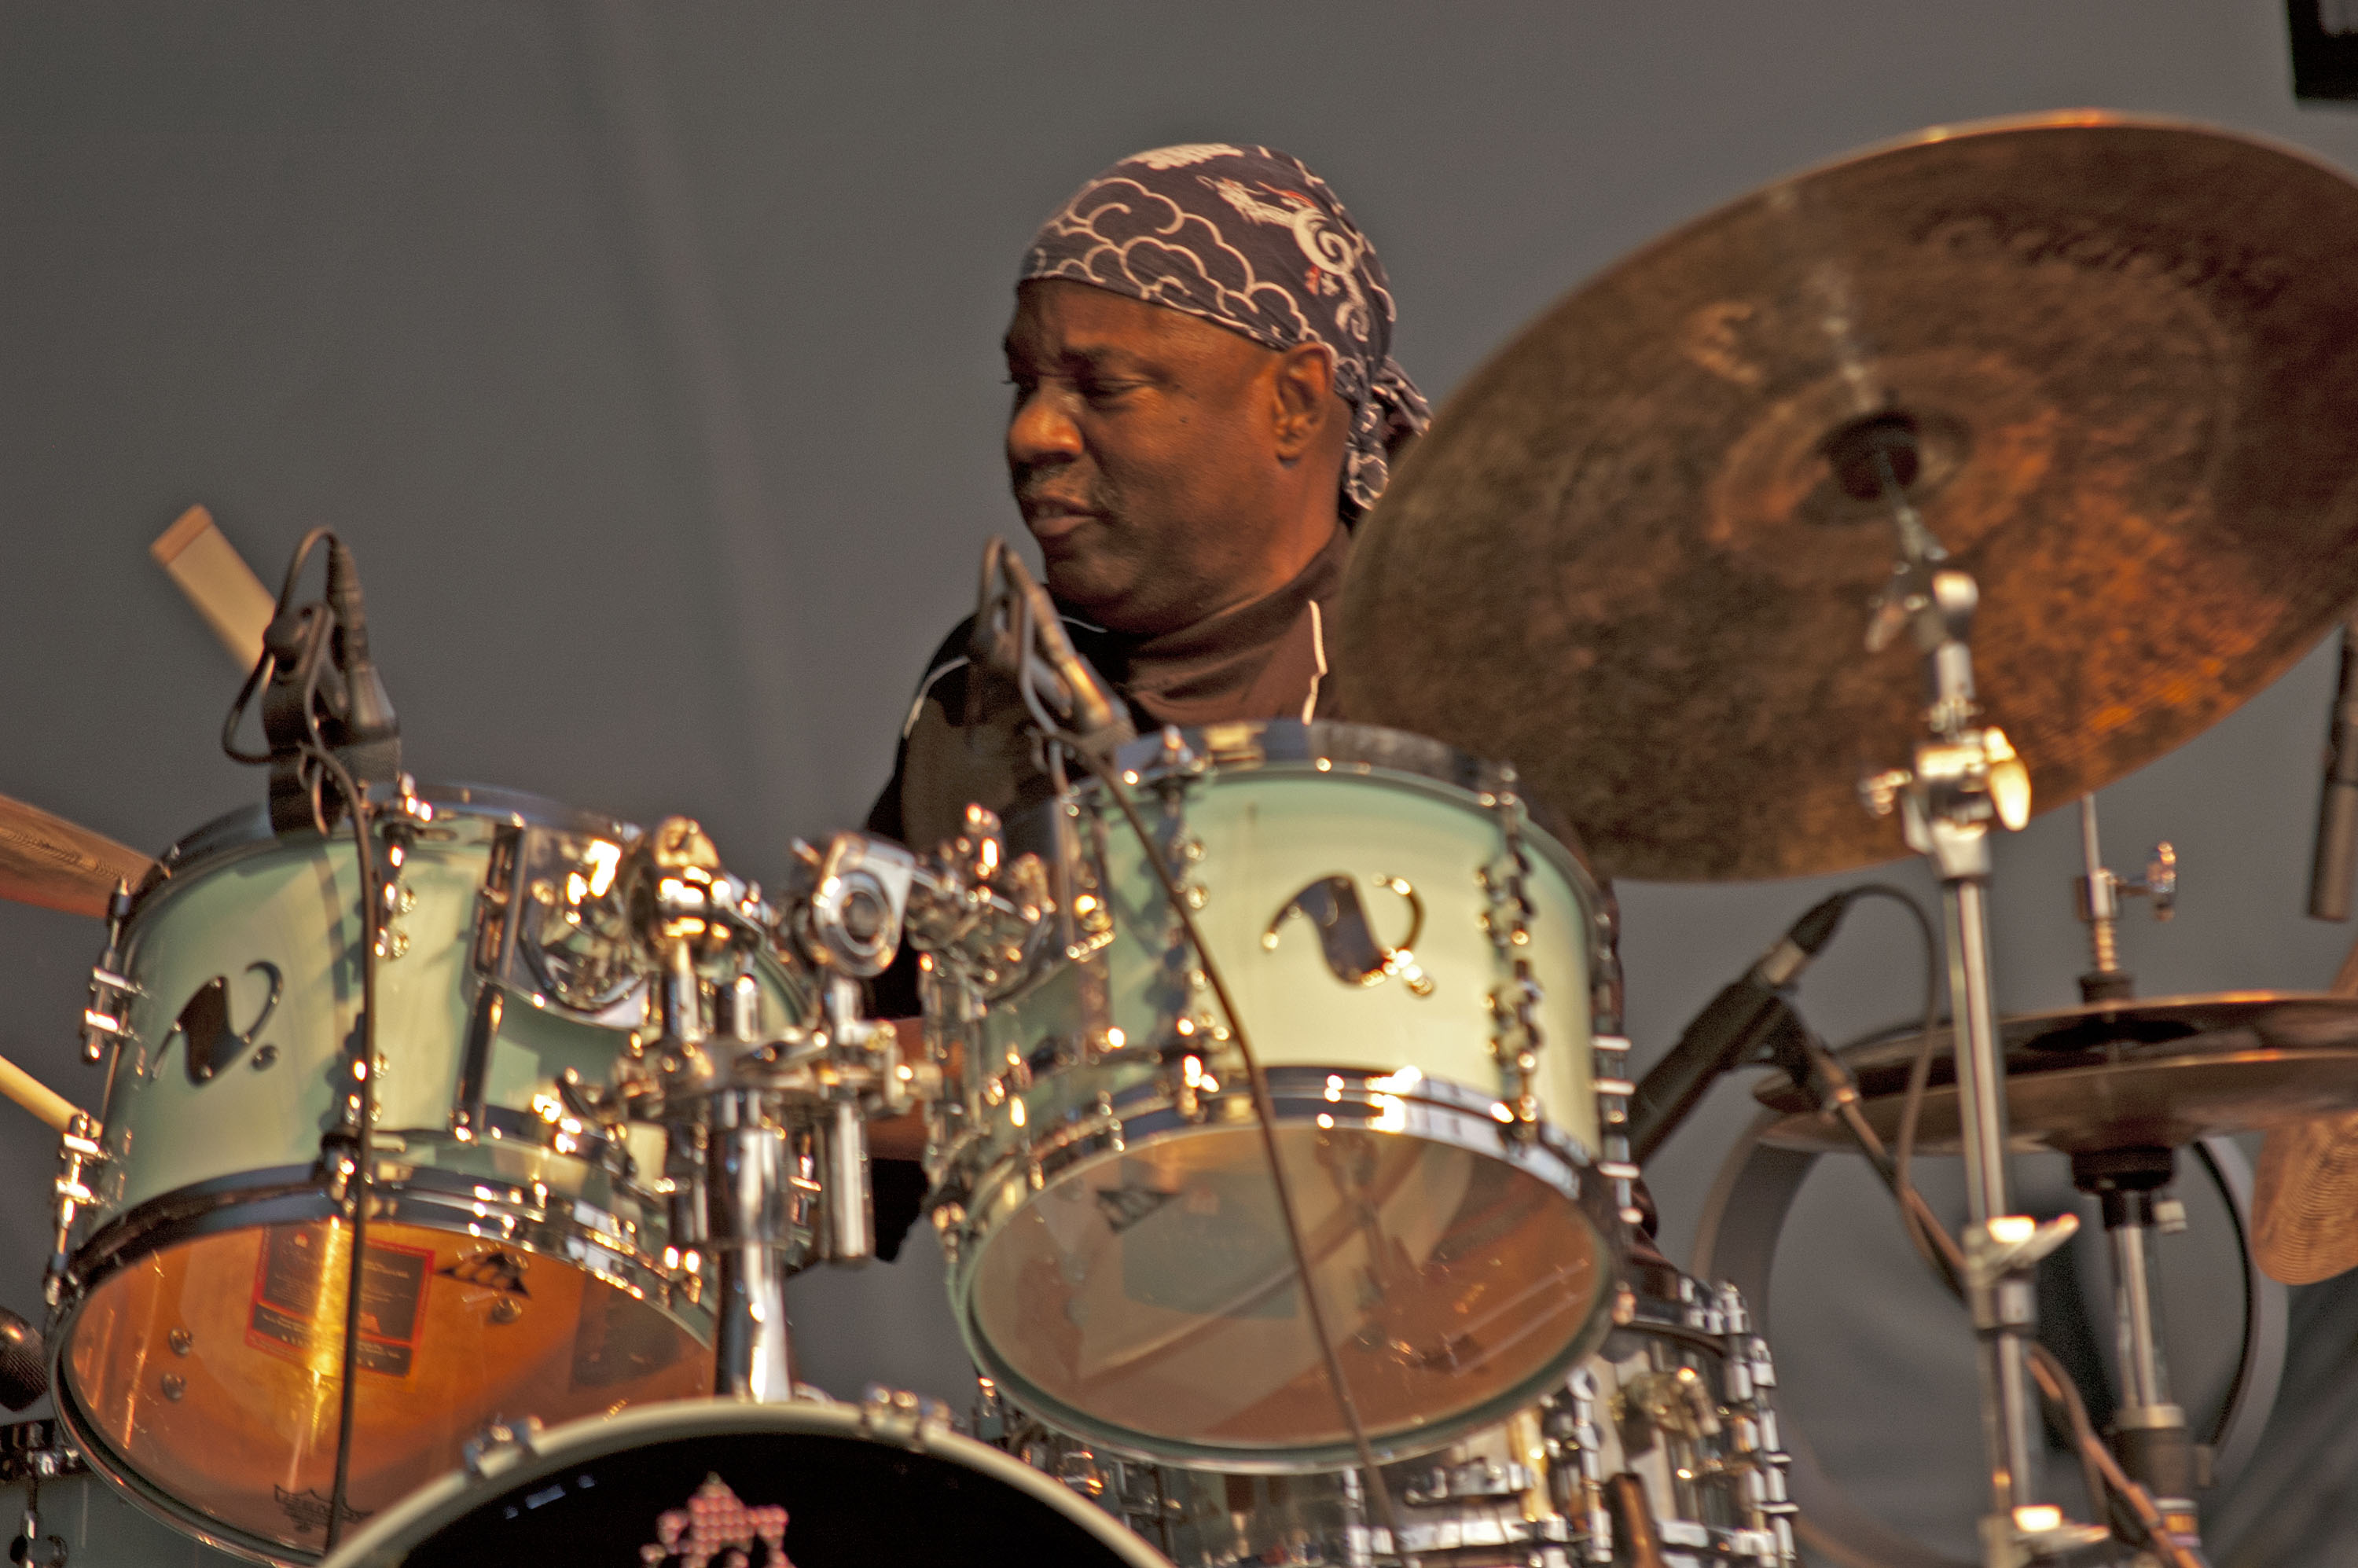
{"points": [[1049, 673], [2335, 854], [1746, 1013], [323, 693], [370, 746]]}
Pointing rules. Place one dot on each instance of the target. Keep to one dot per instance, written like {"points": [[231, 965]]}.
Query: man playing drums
{"points": [[1205, 400]]}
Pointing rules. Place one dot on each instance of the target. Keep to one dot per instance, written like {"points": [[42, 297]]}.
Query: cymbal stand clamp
{"points": [[1965, 777], [2098, 894]]}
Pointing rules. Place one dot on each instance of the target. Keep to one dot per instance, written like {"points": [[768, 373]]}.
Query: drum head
{"points": [[713, 1484], [206, 1376], [1150, 1299]]}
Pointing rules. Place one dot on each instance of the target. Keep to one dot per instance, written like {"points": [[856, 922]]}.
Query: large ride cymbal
{"points": [[1621, 561], [47, 860]]}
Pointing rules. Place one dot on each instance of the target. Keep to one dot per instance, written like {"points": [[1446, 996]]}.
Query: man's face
{"points": [[1143, 453]]}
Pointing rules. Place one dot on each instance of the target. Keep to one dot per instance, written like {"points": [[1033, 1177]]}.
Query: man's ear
{"points": [[1305, 401]]}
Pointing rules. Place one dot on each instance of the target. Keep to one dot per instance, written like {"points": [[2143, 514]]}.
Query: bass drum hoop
{"points": [[385, 1541]]}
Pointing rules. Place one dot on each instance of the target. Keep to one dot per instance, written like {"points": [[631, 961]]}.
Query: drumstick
{"points": [[35, 1095], [218, 582]]}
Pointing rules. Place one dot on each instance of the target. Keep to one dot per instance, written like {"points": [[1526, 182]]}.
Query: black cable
{"points": [[1265, 1114], [357, 1189], [357, 1186], [261, 670], [1911, 1105]]}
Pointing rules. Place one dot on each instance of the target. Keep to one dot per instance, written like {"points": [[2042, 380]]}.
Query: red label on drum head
{"points": [[285, 1317]]}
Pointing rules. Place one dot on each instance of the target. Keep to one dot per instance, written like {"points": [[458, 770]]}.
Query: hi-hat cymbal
{"points": [[47, 860], [1621, 560], [2127, 1075]]}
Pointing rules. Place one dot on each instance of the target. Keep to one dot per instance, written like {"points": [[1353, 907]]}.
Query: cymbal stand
{"points": [[1965, 777]]}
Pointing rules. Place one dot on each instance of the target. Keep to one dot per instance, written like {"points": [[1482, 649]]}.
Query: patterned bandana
{"points": [[1252, 240]]}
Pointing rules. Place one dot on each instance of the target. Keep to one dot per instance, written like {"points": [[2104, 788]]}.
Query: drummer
{"points": [[1204, 401]]}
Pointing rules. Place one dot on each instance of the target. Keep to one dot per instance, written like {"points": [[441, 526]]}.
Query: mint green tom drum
{"points": [[519, 1261], [1419, 965]]}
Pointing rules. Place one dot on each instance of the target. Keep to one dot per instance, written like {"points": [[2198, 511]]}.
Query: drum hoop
{"points": [[236, 834], [100, 1460], [1123, 1443], [384, 1542], [1451, 1114], [1300, 1095], [446, 1202]]}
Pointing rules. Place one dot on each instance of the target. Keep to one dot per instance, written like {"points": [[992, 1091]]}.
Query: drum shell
{"points": [[1249, 839], [292, 904], [1071, 1079], [503, 1201]]}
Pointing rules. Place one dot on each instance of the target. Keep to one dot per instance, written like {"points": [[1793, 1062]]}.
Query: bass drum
{"points": [[709, 1484], [1418, 965], [519, 1262], [1662, 1449]]}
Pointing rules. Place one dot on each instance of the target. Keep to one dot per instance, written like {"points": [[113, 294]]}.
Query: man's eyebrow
{"points": [[1089, 356]]}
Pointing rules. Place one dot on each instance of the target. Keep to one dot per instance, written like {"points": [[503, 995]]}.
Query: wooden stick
{"points": [[35, 1095], [218, 582]]}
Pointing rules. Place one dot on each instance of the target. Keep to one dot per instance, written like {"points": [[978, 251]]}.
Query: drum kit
{"points": [[1280, 1123]]}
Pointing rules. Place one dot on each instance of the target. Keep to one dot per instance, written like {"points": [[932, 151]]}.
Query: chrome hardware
{"points": [[1613, 1092], [2098, 894], [898, 1416], [501, 1443], [105, 1021], [1482, 1479], [852, 921], [1515, 1035], [767, 1128], [79, 1154]]}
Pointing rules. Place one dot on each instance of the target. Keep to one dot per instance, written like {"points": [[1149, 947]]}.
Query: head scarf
{"points": [[1251, 240]]}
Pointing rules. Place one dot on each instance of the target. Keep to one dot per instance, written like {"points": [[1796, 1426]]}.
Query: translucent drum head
{"points": [[1151, 1299], [208, 1372]]}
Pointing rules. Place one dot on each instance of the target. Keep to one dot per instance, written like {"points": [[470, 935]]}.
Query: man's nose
{"points": [[1042, 430]]}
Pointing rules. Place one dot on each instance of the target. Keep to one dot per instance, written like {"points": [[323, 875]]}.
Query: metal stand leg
{"points": [[2002, 1306], [2149, 1435], [747, 1186], [1966, 779]]}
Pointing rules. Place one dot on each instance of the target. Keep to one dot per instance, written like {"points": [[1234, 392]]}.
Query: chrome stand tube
{"points": [[747, 1193], [2149, 1431], [1965, 780], [2003, 1308]]}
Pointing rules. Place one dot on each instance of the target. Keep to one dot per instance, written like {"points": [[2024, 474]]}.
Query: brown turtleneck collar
{"points": [[1267, 659]]}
